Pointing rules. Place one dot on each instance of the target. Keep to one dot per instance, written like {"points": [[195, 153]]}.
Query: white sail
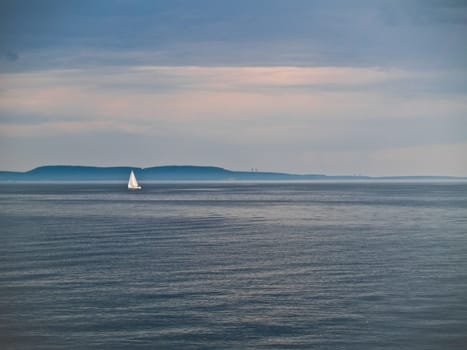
{"points": [[132, 183]]}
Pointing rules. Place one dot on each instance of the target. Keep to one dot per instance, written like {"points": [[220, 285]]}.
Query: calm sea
{"points": [[233, 266]]}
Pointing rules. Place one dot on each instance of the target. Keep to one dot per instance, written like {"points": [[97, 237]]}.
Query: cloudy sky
{"points": [[337, 87]]}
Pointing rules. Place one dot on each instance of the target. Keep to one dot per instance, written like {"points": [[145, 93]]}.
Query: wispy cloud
{"points": [[269, 104], [184, 94], [406, 34]]}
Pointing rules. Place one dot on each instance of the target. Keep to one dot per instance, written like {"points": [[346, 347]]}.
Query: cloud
{"points": [[9, 55], [216, 92], [213, 33], [145, 95], [346, 108]]}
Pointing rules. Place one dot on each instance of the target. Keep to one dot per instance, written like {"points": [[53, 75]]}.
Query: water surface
{"points": [[233, 265]]}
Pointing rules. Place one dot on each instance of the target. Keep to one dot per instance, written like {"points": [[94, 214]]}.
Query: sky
{"points": [[331, 87]]}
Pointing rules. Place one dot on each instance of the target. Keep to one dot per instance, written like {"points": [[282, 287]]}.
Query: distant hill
{"points": [[174, 173]]}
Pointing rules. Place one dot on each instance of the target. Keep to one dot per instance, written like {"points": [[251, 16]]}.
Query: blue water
{"points": [[233, 266]]}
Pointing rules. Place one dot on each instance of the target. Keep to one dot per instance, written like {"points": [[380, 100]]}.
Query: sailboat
{"points": [[132, 183]]}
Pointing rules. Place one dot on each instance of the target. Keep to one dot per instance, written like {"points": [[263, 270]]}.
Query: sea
{"points": [[234, 265]]}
